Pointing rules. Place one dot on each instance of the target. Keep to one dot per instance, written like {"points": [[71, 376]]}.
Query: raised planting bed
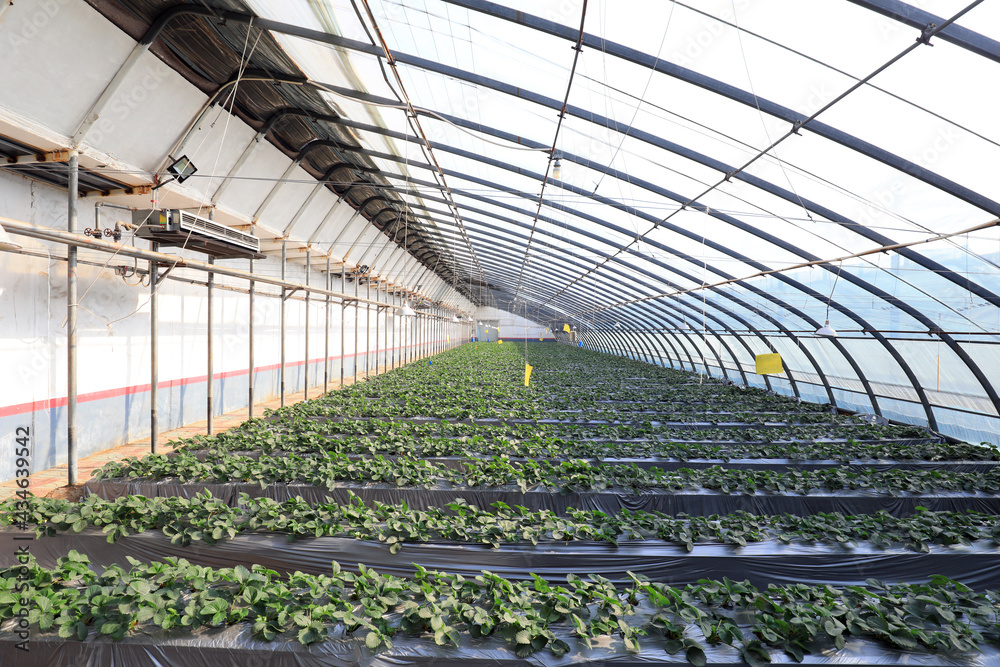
{"points": [[658, 463], [294, 535], [445, 615], [762, 563], [609, 501], [559, 476], [204, 517]]}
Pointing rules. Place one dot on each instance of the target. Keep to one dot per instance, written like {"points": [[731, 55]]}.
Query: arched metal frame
{"points": [[918, 389], [899, 11], [715, 306]]}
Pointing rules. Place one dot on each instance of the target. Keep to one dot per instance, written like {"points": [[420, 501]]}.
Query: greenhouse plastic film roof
{"points": [[689, 184]]}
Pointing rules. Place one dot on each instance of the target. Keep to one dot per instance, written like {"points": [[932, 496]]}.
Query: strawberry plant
{"points": [[75, 601]]}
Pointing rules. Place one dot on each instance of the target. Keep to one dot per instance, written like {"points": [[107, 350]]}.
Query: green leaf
{"points": [[696, 656]]}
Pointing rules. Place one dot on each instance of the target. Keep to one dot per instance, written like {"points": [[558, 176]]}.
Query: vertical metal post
{"points": [[357, 320], [326, 338], [390, 318], [305, 368], [210, 381], [343, 321], [281, 374], [154, 354], [71, 335], [368, 328], [378, 313], [250, 347]]}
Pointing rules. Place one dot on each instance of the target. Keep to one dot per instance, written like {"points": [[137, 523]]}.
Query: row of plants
{"points": [[344, 439], [74, 601], [476, 383], [606, 429], [208, 519], [445, 439], [329, 469], [527, 409]]}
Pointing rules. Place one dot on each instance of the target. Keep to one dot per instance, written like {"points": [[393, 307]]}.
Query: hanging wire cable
{"points": [[929, 32], [428, 151], [800, 265], [552, 155]]}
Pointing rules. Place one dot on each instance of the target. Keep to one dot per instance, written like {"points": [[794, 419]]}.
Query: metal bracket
{"points": [[925, 35], [292, 291], [166, 272], [797, 125]]}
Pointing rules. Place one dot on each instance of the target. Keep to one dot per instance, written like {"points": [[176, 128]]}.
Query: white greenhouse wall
{"points": [[114, 324]]}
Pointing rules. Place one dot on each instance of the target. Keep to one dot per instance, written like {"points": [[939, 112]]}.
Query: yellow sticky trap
{"points": [[539, 339], [527, 374], [566, 328], [499, 342], [769, 364], [448, 339]]}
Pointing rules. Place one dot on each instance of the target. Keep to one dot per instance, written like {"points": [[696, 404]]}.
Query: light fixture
{"points": [[557, 169], [685, 326], [5, 241], [827, 330], [454, 318], [406, 311], [481, 324], [182, 169]]}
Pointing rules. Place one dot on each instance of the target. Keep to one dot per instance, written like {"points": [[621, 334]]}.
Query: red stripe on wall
{"points": [[49, 403]]}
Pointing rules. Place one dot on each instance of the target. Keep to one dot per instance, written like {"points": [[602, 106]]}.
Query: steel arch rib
{"points": [[707, 83], [674, 304], [781, 304], [725, 250], [659, 304], [916, 257], [915, 385], [644, 59], [681, 306], [767, 186], [618, 50], [662, 306], [919, 19], [987, 386], [905, 307]]}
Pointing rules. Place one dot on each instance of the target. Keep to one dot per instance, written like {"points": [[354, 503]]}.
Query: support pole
{"points": [[390, 318], [343, 322], [281, 375], [326, 335], [368, 329], [378, 337], [210, 393], [154, 355], [250, 346], [357, 319], [71, 332], [305, 368]]}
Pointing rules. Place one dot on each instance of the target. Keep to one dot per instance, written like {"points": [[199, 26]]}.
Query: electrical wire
{"points": [[928, 33]]}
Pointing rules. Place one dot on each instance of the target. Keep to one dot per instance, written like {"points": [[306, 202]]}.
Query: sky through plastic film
{"points": [[641, 208]]}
